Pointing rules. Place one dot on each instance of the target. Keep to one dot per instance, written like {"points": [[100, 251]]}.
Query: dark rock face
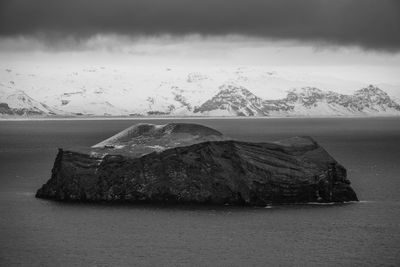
{"points": [[237, 99], [6, 110], [295, 170]]}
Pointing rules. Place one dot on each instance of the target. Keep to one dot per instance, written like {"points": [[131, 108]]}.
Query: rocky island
{"points": [[190, 163]]}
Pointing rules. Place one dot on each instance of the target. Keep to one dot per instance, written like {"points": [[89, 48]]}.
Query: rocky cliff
{"points": [[295, 170]]}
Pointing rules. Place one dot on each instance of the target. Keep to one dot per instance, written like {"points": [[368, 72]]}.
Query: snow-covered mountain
{"points": [[312, 101], [307, 101], [142, 91], [233, 100], [16, 102]]}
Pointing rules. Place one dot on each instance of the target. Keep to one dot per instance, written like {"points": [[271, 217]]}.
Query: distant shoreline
{"points": [[187, 118]]}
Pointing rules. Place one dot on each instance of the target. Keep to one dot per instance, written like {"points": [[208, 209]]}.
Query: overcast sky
{"points": [[361, 33], [373, 24]]}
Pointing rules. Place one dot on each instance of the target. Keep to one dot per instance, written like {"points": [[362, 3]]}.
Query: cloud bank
{"points": [[370, 24]]}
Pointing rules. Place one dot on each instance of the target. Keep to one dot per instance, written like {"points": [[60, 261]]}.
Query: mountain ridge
{"points": [[103, 92], [235, 100], [366, 101]]}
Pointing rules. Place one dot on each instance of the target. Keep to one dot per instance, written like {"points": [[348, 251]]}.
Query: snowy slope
{"points": [[233, 100], [177, 91], [16, 102], [307, 101]]}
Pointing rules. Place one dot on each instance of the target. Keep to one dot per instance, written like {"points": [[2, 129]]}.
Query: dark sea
{"points": [[35, 232]]}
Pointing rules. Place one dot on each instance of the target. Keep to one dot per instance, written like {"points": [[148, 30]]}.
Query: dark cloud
{"points": [[371, 24]]}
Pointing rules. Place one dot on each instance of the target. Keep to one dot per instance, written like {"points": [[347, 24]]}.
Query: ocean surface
{"points": [[35, 232]]}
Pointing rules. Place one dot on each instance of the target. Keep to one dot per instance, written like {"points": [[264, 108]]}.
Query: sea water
{"points": [[36, 232]]}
